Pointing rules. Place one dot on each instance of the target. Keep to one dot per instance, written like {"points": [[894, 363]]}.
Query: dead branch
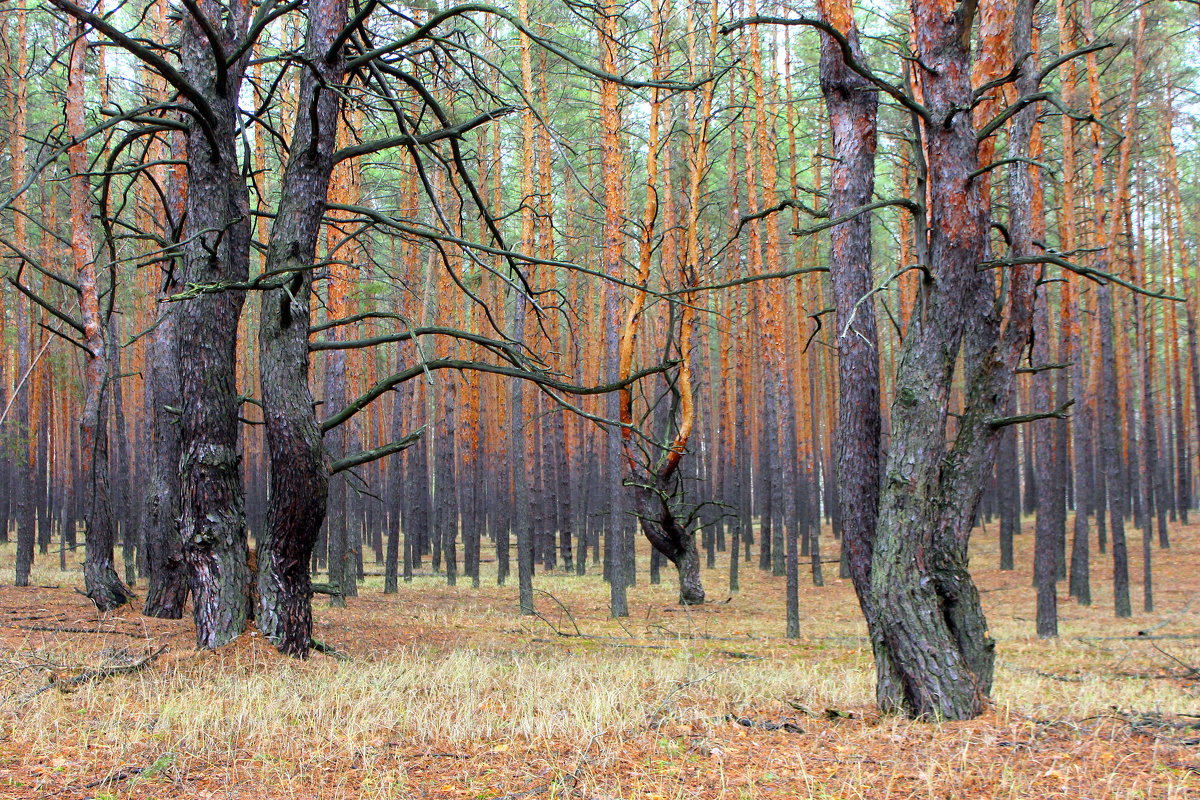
{"points": [[66, 684], [63, 629]]}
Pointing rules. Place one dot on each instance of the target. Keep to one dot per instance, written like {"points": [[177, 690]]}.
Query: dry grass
{"points": [[450, 694]]}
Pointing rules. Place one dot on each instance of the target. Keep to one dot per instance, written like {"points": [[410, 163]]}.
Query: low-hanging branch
{"points": [[791, 202], [384, 220], [29, 259], [1058, 413], [997, 122], [542, 379], [903, 202], [843, 43], [764, 276], [424, 139], [1004, 162], [1099, 276], [335, 323], [409, 335], [1043, 368], [367, 456], [71, 322], [1092, 47]]}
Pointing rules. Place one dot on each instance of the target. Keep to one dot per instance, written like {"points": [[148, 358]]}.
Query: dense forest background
{"points": [[529, 205]]}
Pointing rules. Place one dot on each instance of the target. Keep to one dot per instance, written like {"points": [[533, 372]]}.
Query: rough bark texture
{"points": [[298, 463], [23, 489], [215, 249], [1110, 443], [1008, 489], [1021, 224], [853, 106], [928, 607], [168, 585], [103, 586]]}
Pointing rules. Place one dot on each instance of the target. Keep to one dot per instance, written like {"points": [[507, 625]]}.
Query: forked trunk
{"points": [[299, 464], [215, 247], [103, 585]]}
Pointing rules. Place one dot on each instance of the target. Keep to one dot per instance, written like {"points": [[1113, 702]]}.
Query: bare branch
{"points": [[903, 202], [1058, 413], [367, 456], [893, 91]]}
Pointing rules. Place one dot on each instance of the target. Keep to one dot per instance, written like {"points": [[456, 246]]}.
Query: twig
{"points": [[326, 649], [1164, 623], [106, 672], [122, 774], [1192, 672], [566, 611], [57, 629]]}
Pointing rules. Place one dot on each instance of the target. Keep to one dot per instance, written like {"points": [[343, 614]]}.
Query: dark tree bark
{"points": [[445, 490], [1049, 525], [1008, 490], [927, 606], [1110, 442], [124, 516], [795, 519], [1045, 555], [1152, 485], [167, 589], [214, 249], [853, 107], [299, 466], [1080, 585], [1100, 480], [1193, 344], [336, 523], [103, 586], [23, 469]]}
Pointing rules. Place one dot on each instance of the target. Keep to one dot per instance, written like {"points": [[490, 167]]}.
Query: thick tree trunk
{"points": [[103, 585], [299, 466], [853, 108], [927, 607], [215, 248], [662, 528]]}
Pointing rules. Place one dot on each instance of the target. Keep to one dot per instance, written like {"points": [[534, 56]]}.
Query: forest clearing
{"points": [[448, 694]]}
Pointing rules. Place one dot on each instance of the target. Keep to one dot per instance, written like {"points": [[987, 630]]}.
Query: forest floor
{"points": [[448, 693]]}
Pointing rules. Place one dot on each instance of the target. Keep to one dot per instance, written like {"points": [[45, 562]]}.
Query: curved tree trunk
{"points": [[103, 585], [853, 106], [215, 247], [928, 607], [663, 530], [168, 584], [299, 465]]}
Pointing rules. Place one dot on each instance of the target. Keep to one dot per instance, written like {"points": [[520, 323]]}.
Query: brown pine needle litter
{"points": [[448, 693]]}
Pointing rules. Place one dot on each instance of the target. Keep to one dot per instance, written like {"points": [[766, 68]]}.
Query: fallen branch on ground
{"points": [[63, 629], [66, 684]]}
